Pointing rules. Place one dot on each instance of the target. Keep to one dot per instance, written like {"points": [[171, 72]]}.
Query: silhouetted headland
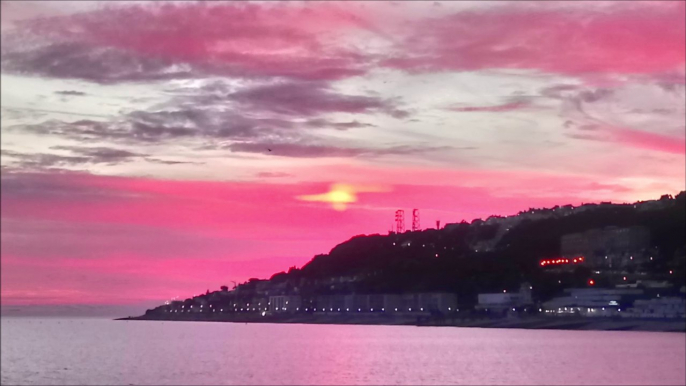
{"points": [[596, 266]]}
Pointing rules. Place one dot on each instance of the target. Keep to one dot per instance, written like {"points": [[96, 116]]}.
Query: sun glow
{"points": [[340, 195]]}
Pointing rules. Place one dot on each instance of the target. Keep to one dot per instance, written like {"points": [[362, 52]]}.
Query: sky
{"points": [[157, 150]]}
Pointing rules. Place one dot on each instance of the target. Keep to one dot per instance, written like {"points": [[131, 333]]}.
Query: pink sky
{"points": [[153, 150]]}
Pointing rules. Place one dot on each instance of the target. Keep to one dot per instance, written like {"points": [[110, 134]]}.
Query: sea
{"points": [[94, 351]]}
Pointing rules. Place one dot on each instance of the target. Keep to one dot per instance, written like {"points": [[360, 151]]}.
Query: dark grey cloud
{"points": [[559, 91], [104, 65], [100, 154], [324, 123], [70, 93], [21, 114], [310, 99], [288, 114], [590, 137], [42, 160], [171, 162], [27, 112], [212, 125], [308, 150], [142, 127], [80, 156], [591, 96]]}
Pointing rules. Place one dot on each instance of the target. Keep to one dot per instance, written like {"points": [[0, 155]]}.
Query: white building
{"points": [[503, 300], [665, 307], [284, 303], [592, 301]]}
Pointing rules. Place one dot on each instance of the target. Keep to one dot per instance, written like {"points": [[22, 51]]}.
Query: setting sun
{"points": [[340, 195]]}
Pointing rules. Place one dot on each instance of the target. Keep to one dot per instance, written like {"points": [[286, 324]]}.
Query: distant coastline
{"points": [[535, 322], [595, 267]]}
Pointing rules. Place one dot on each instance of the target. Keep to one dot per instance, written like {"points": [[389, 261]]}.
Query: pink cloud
{"points": [[625, 39], [651, 141], [236, 39], [307, 99]]}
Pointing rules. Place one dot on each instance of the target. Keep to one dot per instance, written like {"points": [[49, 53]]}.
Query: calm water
{"points": [[98, 351]]}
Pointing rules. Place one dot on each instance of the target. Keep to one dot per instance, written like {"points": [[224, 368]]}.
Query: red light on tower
{"points": [[591, 282]]}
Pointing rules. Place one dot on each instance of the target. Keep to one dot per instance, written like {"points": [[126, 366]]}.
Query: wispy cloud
{"points": [[309, 98], [70, 93], [492, 109], [305, 150]]}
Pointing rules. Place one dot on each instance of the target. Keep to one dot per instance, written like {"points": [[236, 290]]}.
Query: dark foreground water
{"points": [[99, 351]]}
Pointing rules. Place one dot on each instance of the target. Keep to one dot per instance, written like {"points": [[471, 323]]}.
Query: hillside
{"points": [[486, 256], [466, 259]]}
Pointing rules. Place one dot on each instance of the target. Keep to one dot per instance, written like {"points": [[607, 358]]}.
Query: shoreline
{"points": [[533, 323]]}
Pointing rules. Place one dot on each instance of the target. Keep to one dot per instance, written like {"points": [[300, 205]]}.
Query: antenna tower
{"points": [[400, 221], [415, 220]]}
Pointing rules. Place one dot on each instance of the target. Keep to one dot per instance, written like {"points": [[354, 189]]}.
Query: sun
{"points": [[339, 195]]}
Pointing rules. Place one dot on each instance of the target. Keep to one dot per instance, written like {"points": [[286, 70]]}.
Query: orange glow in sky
{"points": [[340, 195]]}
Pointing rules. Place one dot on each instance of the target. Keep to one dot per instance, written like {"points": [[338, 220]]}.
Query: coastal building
{"points": [[331, 303], [284, 303], [251, 304], [412, 302], [502, 301], [658, 308], [422, 302], [593, 301]]}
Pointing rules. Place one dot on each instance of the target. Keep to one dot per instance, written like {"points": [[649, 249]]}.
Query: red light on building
{"points": [[591, 282], [559, 261]]}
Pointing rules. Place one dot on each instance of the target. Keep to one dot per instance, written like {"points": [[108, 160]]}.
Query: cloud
{"points": [[306, 150], [577, 41], [148, 127], [73, 60], [638, 139], [41, 160], [201, 118], [100, 154], [84, 156], [144, 42], [320, 122], [641, 114], [647, 140], [274, 175], [70, 93], [308, 99], [81, 156], [26, 112], [493, 109]]}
